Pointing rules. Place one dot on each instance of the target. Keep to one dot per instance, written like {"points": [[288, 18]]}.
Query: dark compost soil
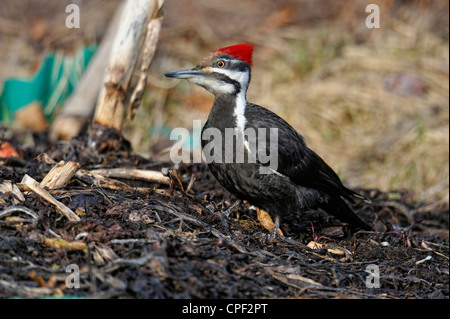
{"points": [[169, 243]]}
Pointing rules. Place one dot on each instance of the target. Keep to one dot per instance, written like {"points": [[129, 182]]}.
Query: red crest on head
{"points": [[242, 52]]}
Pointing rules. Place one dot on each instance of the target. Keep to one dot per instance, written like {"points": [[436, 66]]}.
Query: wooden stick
{"points": [[98, 180], [60, 207], [132, 173], [147, 54], [94, 179], [127, 48]]}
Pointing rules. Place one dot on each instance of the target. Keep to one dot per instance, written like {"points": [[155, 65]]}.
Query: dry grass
{"points": [[373, 137]]}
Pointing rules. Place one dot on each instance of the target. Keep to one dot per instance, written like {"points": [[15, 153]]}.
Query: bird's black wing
{"points": [[295, 159]]}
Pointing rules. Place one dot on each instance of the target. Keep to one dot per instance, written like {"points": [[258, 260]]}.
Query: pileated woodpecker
{"points": [[299, 181]]}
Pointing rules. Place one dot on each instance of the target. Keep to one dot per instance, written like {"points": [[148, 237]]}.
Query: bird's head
{"points": [[224, 71]]}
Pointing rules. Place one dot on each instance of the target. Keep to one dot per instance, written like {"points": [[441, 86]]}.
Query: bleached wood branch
{"points": [[131, 173], [132, 50]]}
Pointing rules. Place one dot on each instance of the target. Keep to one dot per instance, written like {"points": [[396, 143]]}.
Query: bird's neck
{"points": [[228, 111]]}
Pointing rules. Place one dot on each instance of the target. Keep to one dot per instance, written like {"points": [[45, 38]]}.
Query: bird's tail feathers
{"points": [[351, 195], [363, 198], [336, 206]]}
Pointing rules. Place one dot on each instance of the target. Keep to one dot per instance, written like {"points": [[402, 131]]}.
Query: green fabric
{"points": [[50, 86]]}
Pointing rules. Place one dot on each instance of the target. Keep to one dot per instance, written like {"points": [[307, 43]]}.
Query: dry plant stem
{"points": [[129, 45], [60, 207], [132, 173], [98, 180], [9, 210], [147, 54], [174, 177], [94, 179], [60, 175]]}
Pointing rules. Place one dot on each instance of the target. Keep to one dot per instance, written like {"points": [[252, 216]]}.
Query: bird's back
{"points": [[295, 160]]}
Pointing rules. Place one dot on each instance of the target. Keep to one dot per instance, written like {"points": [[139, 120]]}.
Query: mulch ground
{"points": [[174, 241]]}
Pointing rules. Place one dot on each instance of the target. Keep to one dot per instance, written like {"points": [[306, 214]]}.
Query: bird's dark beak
{"points": [[185, 74]]}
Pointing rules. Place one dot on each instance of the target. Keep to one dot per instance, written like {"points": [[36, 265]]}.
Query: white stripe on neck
{"points": [[242, 77], [239, 111], [241, 121]]}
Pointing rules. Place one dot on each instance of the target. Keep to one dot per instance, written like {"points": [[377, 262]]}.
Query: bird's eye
{"points": [[220, 64]]}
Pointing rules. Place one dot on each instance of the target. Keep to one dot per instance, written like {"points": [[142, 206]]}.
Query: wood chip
{"points": [[314, 245], [60, 175], [9, 188]]}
